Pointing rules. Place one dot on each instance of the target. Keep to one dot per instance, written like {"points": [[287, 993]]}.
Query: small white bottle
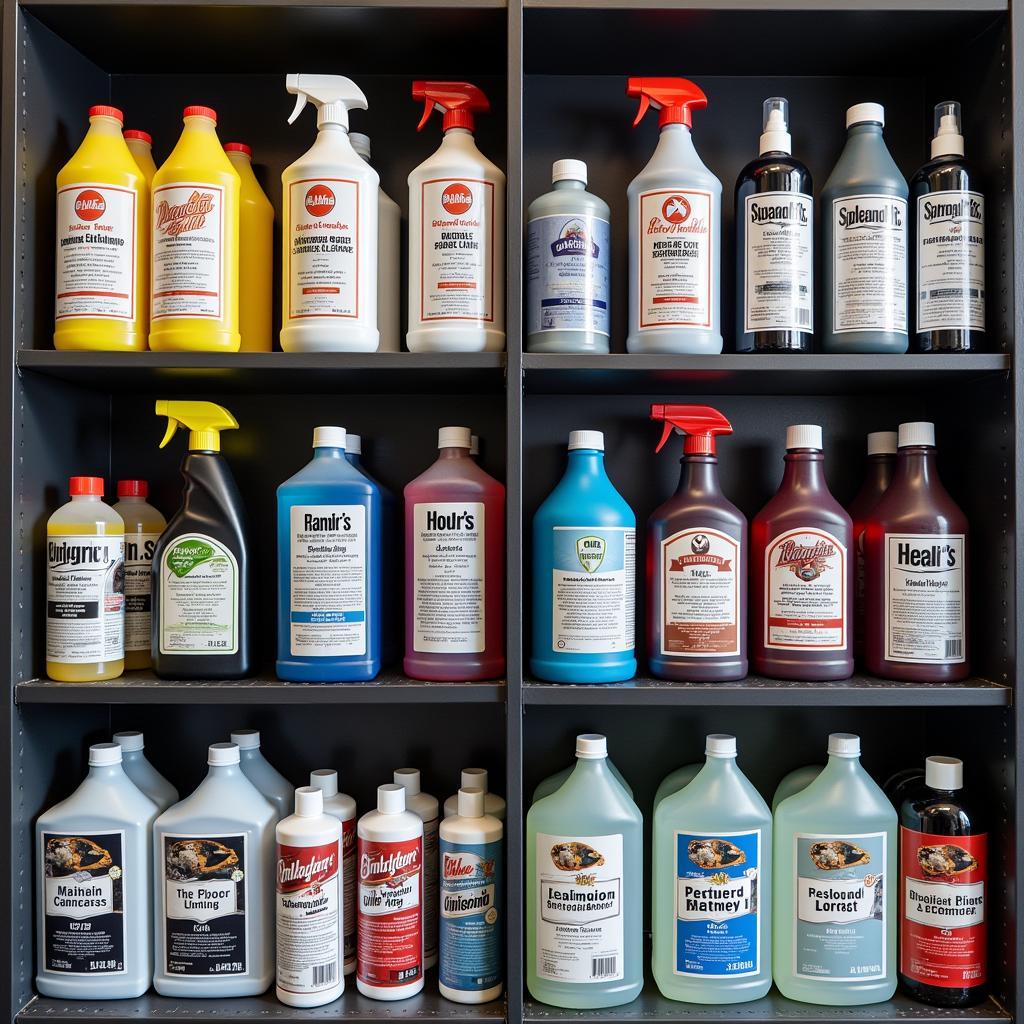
{"points": [[390, 909], [309, 904], [427, 807], [476, 778], [261, 773], [138, 768]]}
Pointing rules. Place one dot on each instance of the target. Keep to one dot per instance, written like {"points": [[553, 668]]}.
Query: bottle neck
{"points": [[586, 462], [327, 452], [354, 459], [881, 469], [699, 476], [453, 453], [916, 466], [842, 766], [805, 471], [677, 138], [569, 185], [96, 498], [224, 771], [105, 772]]}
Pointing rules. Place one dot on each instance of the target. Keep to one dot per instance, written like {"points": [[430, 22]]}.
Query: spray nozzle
{"points": [[775, 137], [334, 96], [458, 101], [700, 423], [676, 98], [203, 420], [949, 138]]}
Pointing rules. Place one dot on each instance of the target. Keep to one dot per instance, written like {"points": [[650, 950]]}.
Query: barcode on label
{"points": [[803, 316], [954, 648], [324, 974], [603, 966]]}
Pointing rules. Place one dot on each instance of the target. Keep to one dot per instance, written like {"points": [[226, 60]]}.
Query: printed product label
{"points": [[951, 261], [348, 876], [567, 260], [676, 233], [869, 264], [942, 927], [805, 591], [925, 598], [457, 249], [431, 842], [188, 278], [84, 598], [839, 918], [328, 580], [700, 596], [206, 895], [138, 568], [579, 912], [323, 248], [779, 262], [390, 912], [592, 590], [308, 917], [717, 897], [83, 902], [198, 597], [97, 236], [472, 881], [448, 577]]}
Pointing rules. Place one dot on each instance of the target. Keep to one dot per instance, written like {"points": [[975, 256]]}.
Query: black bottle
{"points": [[774, 244]]}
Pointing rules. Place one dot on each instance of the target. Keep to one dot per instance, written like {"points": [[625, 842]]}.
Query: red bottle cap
{"points": [[138, 133], [201, 112], [238, 147], [132, 489], [85, 485], [676, 98], [101, 110], [458, 100]]}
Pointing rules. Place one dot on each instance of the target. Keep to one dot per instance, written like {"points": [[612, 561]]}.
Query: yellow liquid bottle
{"points": [[102, 221], [140, 145], [194, 263], [256, 254]]}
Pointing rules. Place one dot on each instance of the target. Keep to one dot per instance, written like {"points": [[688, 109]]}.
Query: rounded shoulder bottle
{"points": [[261, 773], [138, 768]]}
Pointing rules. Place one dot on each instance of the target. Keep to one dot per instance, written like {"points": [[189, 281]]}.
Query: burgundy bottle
{"points": [[802, 579], [915, 557]]}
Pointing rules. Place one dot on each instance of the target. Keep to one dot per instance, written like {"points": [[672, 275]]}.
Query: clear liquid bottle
{"points": [[138, 768], [261, 773], [795, 782], [675, 781], [555, 782]]}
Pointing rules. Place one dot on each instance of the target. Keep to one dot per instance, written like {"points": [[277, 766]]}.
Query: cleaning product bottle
{"points": [[143, 525], [916, 564], [102, 221], [775, 243], [255, 254], [795, 781], [140, 145], [864, 242], [553, 783], [84, 587], [568, 255], [456, 232], [201, 562], [584, 572], [584, 889], [214, 861], [426, 807], [94, 900], [675, 231], [949, 243], [454, 568], [835, 886], [476, 778], [472, 954], [711, 894], [138, 768], [696, 561], [329, 242], [194, 243], [261, 773], [675, 781], [801, 584]]}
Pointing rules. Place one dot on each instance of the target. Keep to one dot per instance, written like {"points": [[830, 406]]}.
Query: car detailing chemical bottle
{"points": [[476, 778], [675, 781], [94, 893], [102, 221], [329, 241], [84, 587], [261, 773], [427, 807], [194, 284], [795, 781], [711, 892], [140, 145], [309, 903], [472, 953], [138, 768], [454, 568], [584, 572], [943, 876], [215, 887], [916, 582], [835, 888], [555, 782], [390, 911], [864, 242], [801, 583], [775, 243], [949, 243], [329, 529], [143, 525], [696, 561], [201, 562], [456, 232], [675, 231], [584, 889], [255, 255], [568, 260]]}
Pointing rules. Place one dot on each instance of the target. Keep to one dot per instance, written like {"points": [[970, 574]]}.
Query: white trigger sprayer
{"points": [[334, 96]]}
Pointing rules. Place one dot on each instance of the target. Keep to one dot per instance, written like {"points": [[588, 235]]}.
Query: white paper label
{"points": [[138, 599], [944, 905]]}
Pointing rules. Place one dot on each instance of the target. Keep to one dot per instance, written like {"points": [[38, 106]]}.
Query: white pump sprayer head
{"points": [[949, 139], [334, 96], [775, 137]]}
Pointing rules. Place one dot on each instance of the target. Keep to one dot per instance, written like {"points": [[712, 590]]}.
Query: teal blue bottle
{"points": [[584, 572], [329, 525]]}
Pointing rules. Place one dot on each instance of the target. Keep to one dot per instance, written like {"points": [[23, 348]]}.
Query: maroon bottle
{"points": [[802, 580], [915, 558]]}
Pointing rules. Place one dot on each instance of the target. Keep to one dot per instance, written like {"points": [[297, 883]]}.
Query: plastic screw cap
{"points": [[882, 442], [569, 170], [360, 143], [720, 745], [105, 753], [129, 740], [326, 780], [408, 779], [354, 444], [222, 753], [844, 744], [197, 110], [586, 439], [138, 135], [329, 437], [132, 489], [104, 110], [309, 802], [917, 434], [86, 485], [471, 802], [803, 435], [591, 745], [246, 739], [474, 778], [860, 113], [454, 437], [238, 147], [390, 799], [944, 773]]}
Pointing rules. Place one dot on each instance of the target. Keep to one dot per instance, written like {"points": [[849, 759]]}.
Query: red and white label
{"points": [[97, 227], [348, 877], [942, 920]]}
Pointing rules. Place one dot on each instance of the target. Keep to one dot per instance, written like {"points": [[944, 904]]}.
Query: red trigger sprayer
{"points": [[675, 98], [458, 101], [700, 423]]}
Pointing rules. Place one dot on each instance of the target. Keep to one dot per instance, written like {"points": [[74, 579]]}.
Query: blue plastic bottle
{"points": [[329, 569], [584, 571]]}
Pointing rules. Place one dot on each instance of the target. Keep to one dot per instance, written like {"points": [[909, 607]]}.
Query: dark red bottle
{"points": [[802, 579], [916, 563]]}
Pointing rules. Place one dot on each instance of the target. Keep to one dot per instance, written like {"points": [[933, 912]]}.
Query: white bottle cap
{"points": [[474, 444], [720, 745], [471, 802], [360, 143], [105, 754], [569, 170], [917, 433], [353, 443], [803, 435], [328, 437], [948, 140], [129, 740], [882, 442], [246, 739], [775, 137], [408, 779], [844, 744], [861, 112], [454, 437], [943, 773], [309, 802], [222, 753], [474, 778], [326, 780], [390, 799], [586, 439], [591, 746]]}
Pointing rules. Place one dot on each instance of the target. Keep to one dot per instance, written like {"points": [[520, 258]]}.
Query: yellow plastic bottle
{"points": [[140, 145], [256, 254], [194, 268], [102, 222]]}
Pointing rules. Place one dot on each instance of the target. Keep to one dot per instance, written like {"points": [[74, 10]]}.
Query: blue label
{"points": [[717, 894]]}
